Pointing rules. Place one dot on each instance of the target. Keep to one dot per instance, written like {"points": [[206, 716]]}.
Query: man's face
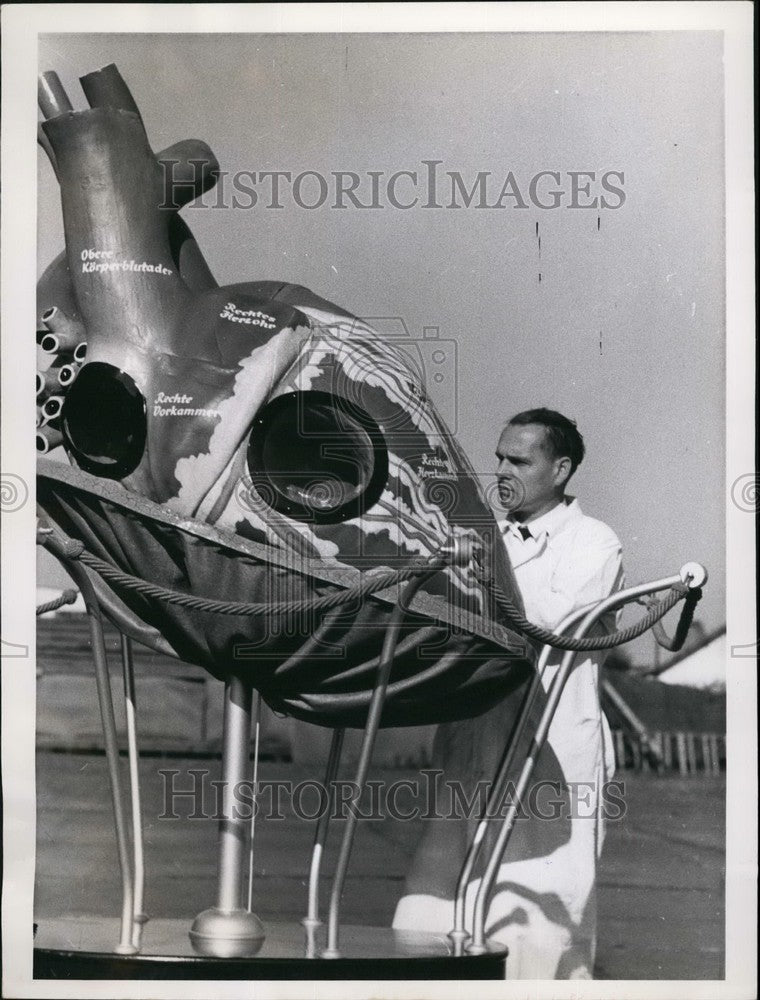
{"points": [[530, 479]]}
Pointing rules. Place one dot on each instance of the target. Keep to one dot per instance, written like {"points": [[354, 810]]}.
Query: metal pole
{"points": [[377, 701], [232, 828], [320, 835], [130, 708], [311, 921], [229, 930], [459, 934], [478, 945], [103, 681], [254, 803], [108, 722]]}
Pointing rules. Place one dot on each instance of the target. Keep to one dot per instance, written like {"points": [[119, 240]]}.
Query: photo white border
{"points": [[21, 25]]}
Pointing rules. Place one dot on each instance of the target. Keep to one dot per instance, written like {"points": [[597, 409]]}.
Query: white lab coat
{"points": [[544, 903]]}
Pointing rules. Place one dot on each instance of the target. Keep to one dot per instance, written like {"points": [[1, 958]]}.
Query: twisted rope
{"points": [[657, 610], [381, 581], [67, 597]]}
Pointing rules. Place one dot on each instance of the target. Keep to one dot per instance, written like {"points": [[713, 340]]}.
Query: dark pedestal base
{"points": [[82, 948]]}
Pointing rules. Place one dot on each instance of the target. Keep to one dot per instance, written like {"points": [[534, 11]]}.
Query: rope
{"points": [[675, 643], [67, 597], [658, 609], [379, 582]]}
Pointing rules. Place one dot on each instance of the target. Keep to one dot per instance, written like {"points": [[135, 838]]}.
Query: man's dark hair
{"points": [[562, 434]]}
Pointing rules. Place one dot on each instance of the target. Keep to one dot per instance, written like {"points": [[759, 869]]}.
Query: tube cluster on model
{"points": [[62, 339]]}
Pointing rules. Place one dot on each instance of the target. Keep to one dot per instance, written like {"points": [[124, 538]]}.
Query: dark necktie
{"points": [[525, 532]]}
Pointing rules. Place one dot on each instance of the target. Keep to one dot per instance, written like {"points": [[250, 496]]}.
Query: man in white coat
{"points": [[544, 902]]}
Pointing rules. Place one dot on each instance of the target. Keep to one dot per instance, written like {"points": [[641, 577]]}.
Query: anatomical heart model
{"points": [[252, 443]]}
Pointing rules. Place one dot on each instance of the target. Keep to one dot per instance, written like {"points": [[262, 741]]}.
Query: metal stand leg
{"points": [[311, 921], [105, 699], [134, 790], [478, 945], [228, 930], [370, 733], [458, 933], [254, 805]]}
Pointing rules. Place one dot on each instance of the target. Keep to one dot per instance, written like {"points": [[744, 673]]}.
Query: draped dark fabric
{"points": [[317, 668]]}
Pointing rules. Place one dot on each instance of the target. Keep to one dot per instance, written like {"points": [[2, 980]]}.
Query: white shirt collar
{"points": [[549, 523]]}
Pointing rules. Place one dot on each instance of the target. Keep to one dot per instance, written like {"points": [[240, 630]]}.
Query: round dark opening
{"points": [[103, 421], [317, 458]]}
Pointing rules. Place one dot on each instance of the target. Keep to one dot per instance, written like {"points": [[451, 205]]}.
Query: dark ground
{"points": [[661, 895]]}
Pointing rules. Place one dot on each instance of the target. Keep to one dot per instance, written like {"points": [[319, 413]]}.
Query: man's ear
{"points": [[563, 468]]}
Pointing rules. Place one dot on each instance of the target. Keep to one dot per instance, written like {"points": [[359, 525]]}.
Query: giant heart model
{"points": [[252, 441]]}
